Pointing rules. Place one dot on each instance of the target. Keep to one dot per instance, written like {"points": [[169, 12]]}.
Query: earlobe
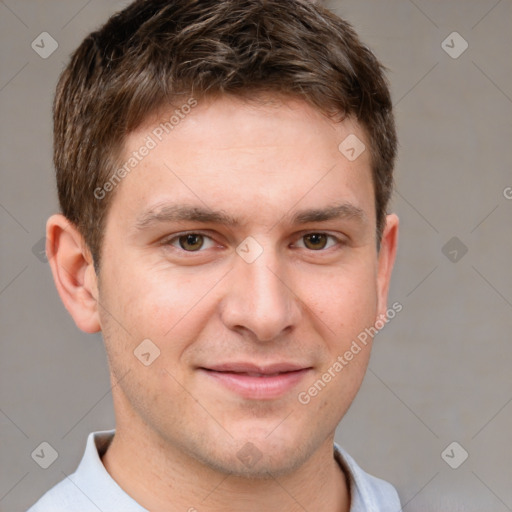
{"points": [[73, 272], [387, 254]]}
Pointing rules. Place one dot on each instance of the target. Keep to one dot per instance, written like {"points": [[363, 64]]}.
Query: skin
{"points": [[178, 430]]}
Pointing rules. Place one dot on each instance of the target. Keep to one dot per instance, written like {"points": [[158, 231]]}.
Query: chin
{"points": [[258, 456]]}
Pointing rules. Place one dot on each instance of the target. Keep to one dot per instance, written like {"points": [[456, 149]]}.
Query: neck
{"points": [[161, 478]]}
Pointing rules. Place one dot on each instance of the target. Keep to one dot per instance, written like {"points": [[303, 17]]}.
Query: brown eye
{"points": [[191, 242], [315, 241]]}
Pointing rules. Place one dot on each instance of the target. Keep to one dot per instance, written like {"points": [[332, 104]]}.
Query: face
{"points": [[243, 247]]}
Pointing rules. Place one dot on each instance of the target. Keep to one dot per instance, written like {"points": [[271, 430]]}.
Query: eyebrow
{"points": [[182, 212]]}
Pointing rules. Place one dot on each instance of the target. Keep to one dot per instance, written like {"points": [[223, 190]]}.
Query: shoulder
{"points": [[90, 487], [367, 491], [64, 496]]}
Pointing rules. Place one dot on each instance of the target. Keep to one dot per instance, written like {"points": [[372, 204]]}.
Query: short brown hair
{"points": [[158, 51]]}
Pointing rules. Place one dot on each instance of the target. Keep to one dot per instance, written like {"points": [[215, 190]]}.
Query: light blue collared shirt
{"points": [[91, 488]]}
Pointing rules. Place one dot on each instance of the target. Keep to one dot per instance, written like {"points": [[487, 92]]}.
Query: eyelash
{"points": [[168, 242]]}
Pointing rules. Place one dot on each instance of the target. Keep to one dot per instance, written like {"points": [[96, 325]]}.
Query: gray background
{"points": [[440, 371]]}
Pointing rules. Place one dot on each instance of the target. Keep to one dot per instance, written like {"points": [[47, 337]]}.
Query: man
{"points": [[224, 169]]}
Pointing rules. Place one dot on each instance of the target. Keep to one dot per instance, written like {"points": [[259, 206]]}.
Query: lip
{"points": [[257, 382]]}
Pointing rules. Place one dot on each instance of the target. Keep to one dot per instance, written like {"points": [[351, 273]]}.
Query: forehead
{"points": [[237, 156]]}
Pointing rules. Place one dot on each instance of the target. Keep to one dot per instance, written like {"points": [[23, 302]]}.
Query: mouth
{"points": [[257, 382]]}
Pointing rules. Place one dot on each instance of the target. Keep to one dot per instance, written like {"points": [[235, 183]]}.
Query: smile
{"points": [[256, 383]]}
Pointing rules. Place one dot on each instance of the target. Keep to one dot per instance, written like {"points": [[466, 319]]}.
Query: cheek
{"points": [[343, 306], [167, 306], [342, 301]]}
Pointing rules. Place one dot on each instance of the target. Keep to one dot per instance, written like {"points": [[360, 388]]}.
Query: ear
{"points": [[386, 260], [73, 272]]}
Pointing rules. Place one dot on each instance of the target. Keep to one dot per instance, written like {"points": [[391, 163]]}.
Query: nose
{"points": [[259, 298]]}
